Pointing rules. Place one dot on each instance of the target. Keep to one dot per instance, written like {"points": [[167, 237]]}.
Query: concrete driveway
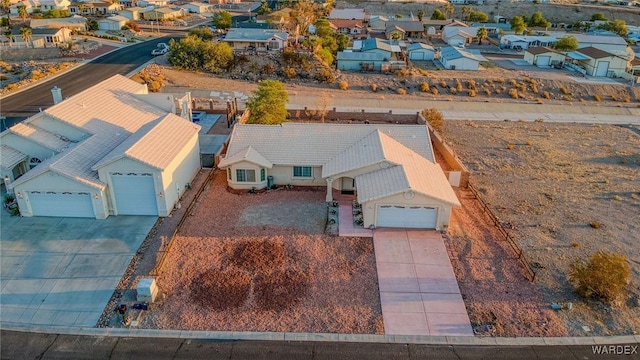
{"points": [[418, 290], [63, 271]]}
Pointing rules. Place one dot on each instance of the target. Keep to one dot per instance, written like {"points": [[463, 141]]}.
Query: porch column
{"points": [[329, 190]]}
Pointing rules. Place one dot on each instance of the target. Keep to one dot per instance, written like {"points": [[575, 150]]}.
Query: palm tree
{"points": [[25, 32], [82, 8], [420, 14], [448, 10], [464, 11], [22, 11], [481, 34]]}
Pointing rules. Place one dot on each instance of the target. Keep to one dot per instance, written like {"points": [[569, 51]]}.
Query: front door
{"points": [[348, 185]]}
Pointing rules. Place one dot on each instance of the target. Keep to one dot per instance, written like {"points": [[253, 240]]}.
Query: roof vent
{"points": [[57, 94]]}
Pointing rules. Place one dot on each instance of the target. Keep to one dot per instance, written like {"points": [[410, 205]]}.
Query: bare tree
{"points": [[323, 103]]}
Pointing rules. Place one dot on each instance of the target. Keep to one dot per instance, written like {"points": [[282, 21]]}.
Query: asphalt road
{"points": [[19, 345], [21, 105]]}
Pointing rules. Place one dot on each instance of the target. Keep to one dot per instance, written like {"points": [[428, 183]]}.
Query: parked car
{"points": [[159, 51]]}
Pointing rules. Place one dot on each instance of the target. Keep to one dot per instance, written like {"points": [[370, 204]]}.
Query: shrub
{"points": [[471, 84], [602, 277], [155, 86], [453, 90], [512, 82], [424, 87], [596, 97], [374, 87], [487, 92], [513, 93], [435, 91], [472, 93], [534, 88], [401, 91], [443, 84], [510, 147], [325, 76], [290, 72], [434, 118], [498, 91], [344, 85], [268, 69], [458, 86], [564, 90], [546, 95]]}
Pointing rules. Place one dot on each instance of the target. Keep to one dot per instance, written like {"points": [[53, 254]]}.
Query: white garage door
{"points": [[603, 67], [416, 55], [64, 204], [417, 217], [543, 61], [135, 194]]}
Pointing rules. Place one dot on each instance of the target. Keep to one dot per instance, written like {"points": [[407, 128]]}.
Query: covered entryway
{"points": [[348, 185], [415, 217], [61, 204], [602, 69], [543, 61], [135, 194]]}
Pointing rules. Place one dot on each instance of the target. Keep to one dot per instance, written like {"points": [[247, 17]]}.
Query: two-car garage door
{"points": [[63, 204], [417, 217]]}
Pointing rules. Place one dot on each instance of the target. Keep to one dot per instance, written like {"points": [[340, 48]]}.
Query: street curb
{"points": [[323, 337]]}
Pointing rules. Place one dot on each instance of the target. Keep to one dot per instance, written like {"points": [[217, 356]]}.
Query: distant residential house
{"points": [[542, 56], [256, 39], [155, 3], [163, 13], [635, 66], [441, 24], [458, 36], [401, 30], [95, 7], [196, 8], [347, 27], [115, 22], [132, 13], [492, 28], [606, 41], [74, 22], [377, 23], [420, 51], [454, 58], [523, 42], [41, 5], [360, 61], [379, 46], [349, 14], [599, 63], [51, 36]]}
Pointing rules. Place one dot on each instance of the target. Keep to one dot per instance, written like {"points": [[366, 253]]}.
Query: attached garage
{"points": [[543, 61], [603, 67], [415, 217], [61, 204], [134, 194]]}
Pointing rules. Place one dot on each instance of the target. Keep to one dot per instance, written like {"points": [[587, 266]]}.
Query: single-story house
{"points": [[163, 13], [41, 5], [348, 27], [420, 51], [439, 25], [132, 13], [95, 7], [74, 22], [196, 8], [454, 58], [112, 149], [603, 40], [391, 168], [360, 61], [543, 56], [51, 36], [256, 39], [601, 63], [115, 22], [458, 35], [377, 22], [156, 3], [349, 14], [523, 42], [375, 45], [400, 30]]}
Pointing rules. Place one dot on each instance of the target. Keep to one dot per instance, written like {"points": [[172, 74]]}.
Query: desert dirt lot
{"points": [[262, 262]]}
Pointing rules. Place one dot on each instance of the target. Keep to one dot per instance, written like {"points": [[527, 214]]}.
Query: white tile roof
{"points": [[111, 113], [248, 154], [340, 148], [10, 157], [40, 136]]}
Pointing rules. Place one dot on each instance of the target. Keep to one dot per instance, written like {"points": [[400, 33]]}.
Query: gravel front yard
{"points": [[261, 262]]}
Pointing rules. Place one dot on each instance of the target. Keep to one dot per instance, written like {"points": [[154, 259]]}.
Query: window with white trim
{"points": [[302, 171], [245, 175]]}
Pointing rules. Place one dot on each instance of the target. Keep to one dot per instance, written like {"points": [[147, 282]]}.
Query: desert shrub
{"points": [[534, 88], [487, 92], [567, 98], [564, 90], [434, 118], [221, 289], [539, 101], [626, 99], [424, 87], [513, 93], [290, 72], [343, 85], [401, 72], [453, 90], [472, 93], [443, 84], [602, 277], [596, 97], [155, 86], [513, 82], [546, 95], [498, 91], [3, 77], [510, 147], [401, 91], [458, 85], [36, 75], [5, 66], [614, 98], [471, 84], [12, 87], [324, 76], [268, 69], [374, 87], [435, 91]]}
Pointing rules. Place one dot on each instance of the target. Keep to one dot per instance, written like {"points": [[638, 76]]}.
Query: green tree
{"points": [[481, 34], [448, 9], [323, 28], [194, 53], [202, 33], [92, 25], [342, 40], [567, 43], [420, 15], [537, 20], [478, 16], [517, 24], [5, 5], [264, 8], [326, 55], [56, 14], [22, 12], [222, 20], [598, 17], [217, 56], [25, 32], [616, 26], [465, 11], [438, 15], [267, 105]]}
